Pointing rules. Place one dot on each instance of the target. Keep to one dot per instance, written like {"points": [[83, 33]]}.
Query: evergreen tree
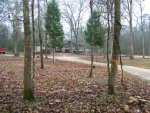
{"points": [[96, 30], [53, 25], [94, 33]]}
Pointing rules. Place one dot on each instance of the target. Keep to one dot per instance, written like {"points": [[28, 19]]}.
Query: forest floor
{"points": [[64, 87]]}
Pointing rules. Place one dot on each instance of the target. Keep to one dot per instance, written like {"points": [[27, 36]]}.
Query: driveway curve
{"points": [[140, 72]]}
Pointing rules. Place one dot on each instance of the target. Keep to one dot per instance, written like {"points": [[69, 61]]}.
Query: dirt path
{"points": [[140, 72]]}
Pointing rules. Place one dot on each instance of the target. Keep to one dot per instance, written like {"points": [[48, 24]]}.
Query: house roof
{"points": [[74, 43]]}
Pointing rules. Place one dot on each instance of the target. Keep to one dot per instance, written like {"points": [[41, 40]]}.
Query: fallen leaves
{"points": [[64, 87]]}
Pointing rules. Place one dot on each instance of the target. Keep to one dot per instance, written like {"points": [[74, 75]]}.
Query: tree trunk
{"points": [[40, 37], [71, 46], [112, 35], [108, 37], [13, 23], [149, 39], [28, 91], [16, 31], [53, 55], [114, 61], [33, 38], [46, 45], [111, 6], [142, 30], [77, 44], [92, 59], [92, 46], [131, 32], [143, 41]]}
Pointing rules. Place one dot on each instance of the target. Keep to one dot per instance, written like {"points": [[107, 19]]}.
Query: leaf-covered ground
{"points": [[64, 88], [138, 62]]}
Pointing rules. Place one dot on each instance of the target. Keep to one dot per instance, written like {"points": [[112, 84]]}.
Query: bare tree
{"points": [[92, 45], [46, 45], [108, 35], [46, 35], [40, 36], [131, 32], [7, 7], [128, 8], [73, 16], [114, 61], [28, 91], [109, 13], [142, 26], [11, 13], [16, 30], [106, 8], [33, 37]]}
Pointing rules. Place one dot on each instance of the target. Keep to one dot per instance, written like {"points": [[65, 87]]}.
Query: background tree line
{"points": [[76, 23]]}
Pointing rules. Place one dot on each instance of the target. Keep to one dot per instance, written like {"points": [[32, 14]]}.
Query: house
{"points": [[37, 48], [68, 48]]}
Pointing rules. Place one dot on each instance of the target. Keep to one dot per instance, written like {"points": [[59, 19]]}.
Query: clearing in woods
{"points": [[64, 87]]}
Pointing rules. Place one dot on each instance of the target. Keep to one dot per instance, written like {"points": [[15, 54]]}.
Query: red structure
{"points": [[3, 50]]}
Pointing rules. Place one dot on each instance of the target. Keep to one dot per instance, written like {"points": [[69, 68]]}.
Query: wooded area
{"points": [[67, 56]]}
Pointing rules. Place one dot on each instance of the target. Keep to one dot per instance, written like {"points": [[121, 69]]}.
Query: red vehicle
{"points": [[3, 50]]}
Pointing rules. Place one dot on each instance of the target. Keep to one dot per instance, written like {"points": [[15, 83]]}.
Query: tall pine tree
{"points": [[94, 33], [53, 26], [96, 30]]}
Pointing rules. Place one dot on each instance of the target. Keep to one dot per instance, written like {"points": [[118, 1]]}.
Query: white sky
{"points": [[147, 6], [136, 8]]}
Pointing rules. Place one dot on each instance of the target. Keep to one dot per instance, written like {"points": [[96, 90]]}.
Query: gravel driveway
{"points": [[140, 72]]}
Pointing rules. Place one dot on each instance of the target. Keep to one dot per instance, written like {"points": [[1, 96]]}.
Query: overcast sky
{"points": [[136, 10], [147, 6]]}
